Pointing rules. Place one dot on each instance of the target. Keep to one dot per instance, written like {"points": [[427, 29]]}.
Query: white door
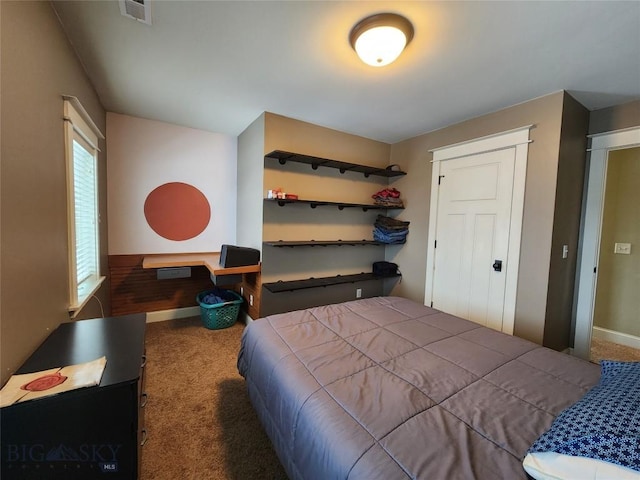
{"points": [[475, 226], [472, 235]]}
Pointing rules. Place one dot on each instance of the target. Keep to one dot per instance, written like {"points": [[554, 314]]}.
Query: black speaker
{"points": [[233, 256]]}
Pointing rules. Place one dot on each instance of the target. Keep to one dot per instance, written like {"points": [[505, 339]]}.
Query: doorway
{"points": [[607, 312], [477, 195], [616, 316]]}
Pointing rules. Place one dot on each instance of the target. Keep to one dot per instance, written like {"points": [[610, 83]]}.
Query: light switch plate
{"points": [[622, 248]]}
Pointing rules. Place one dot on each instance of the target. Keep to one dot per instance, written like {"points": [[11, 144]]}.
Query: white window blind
{"points": [[85, 203], [81, 145]]}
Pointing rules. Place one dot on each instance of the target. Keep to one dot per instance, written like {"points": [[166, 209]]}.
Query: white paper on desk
{"points": [[75, 376]]}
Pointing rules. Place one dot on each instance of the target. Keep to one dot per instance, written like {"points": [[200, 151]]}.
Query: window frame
{"points": [[79, 127]]}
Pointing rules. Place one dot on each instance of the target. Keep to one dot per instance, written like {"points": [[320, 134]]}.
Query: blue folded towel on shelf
{"points": [[389, 230]]}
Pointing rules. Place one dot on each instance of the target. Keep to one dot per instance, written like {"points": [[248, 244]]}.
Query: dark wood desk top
{"points": [[120, 339]]}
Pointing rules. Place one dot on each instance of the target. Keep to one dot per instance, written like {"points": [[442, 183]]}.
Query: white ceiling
{"points": [[217, 65]]}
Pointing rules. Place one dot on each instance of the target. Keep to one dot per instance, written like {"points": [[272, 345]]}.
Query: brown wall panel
{"points": [[252, 285], [135, 289]]}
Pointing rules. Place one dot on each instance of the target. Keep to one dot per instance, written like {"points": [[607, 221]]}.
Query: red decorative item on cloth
{"points": [[44, 383], [387, 193], [388, 197]]}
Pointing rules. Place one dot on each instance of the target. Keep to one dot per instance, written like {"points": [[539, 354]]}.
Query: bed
{"points": [[386, 388]]}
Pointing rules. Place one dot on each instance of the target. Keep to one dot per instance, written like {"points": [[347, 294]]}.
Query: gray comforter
{"points": [[386, 388]]}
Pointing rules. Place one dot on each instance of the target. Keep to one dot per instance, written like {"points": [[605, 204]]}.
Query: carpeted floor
{"points": [[199, 420], [602, 349]]}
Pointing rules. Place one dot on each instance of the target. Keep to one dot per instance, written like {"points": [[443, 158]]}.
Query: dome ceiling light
{"points": [[379, 39]]}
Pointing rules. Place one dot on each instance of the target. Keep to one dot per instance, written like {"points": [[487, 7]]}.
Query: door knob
{"points": [[497, 265]]}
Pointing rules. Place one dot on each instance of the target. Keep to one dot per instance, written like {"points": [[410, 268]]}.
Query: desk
{"points": [[211, 260]]}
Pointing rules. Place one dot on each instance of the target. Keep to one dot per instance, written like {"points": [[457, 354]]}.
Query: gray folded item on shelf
{"points": [[391, 223]]}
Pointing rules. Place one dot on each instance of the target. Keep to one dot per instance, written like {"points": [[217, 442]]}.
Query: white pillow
{"points": [[556, 466]]}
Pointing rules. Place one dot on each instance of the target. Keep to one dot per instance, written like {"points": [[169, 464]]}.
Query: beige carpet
{"points": [[199, 420], [604, 350]]}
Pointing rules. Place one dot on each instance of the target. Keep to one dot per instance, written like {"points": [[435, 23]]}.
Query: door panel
{"points": [[472, 230], [482, 255]]}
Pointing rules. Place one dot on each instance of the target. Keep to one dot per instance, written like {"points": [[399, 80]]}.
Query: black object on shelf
{"points": [[321, 243], [234, 256], [321, 203], [291, 285], [315, 162]]}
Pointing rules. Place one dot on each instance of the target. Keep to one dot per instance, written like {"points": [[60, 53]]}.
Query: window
{"points": [[81, 152]]}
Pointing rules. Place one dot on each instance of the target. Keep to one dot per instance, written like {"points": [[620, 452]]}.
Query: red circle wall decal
{"points": [[177, 211]]}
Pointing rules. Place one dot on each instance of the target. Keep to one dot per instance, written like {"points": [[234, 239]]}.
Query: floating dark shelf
{"points": [[321, 243], [315, 162], [321, 203], [291, 285]]}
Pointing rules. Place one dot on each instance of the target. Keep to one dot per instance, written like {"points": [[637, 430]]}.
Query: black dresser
{"points": [[88, 433]]}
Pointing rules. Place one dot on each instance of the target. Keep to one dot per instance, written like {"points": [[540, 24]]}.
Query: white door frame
{"points": [[601, 145], [518, 139]]}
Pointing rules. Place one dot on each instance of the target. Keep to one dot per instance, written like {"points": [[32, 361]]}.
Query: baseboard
{"points": [[245, 318], [163, 315], [616, 337]]}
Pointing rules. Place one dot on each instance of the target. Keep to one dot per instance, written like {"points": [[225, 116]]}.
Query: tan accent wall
{"points": [[38, 65], [413, 156], [322, 223], [617, 305], [282, 133]]}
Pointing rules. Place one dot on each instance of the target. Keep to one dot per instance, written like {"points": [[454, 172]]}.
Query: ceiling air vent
{"points": [[137, 9]]}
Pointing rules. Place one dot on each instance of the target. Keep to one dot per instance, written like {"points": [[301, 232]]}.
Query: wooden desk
{"points": [[211, 260]]}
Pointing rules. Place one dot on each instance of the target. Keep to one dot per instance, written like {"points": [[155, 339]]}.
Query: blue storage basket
{"points": [[219, 315]]}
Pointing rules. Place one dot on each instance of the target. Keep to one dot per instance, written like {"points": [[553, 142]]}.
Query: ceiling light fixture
{"points": [[379, 39]]}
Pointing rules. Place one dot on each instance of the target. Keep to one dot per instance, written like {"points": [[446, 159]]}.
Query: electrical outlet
{"points": [[358, 293], [251, 300]]}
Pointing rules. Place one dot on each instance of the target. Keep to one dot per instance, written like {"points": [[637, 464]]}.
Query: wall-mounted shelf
{"points": [[321, 203], [315, 162], [291, 285], [321, 243]]}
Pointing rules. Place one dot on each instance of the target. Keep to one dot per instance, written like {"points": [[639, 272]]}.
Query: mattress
{"points": [[387, 388]]}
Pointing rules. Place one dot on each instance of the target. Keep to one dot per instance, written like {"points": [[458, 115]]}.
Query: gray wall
{"points": [[249, 185], [413, 155], [38, 66], [566, 224], [615, 118]]}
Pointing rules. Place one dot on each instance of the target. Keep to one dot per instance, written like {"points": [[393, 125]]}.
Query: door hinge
{"points": [[435, 244], [440, 177], [431, 305]]}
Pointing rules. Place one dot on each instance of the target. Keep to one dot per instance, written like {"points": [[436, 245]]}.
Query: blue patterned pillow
{"points": [[605, 423]]}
